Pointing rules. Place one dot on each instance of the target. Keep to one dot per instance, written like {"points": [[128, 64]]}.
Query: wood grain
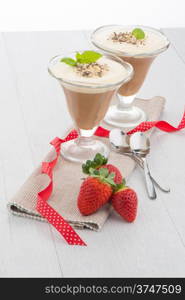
{"points": [[27, 248], [33, 111]]}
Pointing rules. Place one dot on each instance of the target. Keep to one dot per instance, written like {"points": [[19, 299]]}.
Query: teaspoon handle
{"points": [[140, 163], [149, 183]]}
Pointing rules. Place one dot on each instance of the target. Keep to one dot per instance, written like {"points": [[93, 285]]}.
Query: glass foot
{"points": [[125, 118], [78, 151]]}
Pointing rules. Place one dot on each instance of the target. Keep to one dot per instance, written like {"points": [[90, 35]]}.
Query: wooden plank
{"points": [[176, 36], [42, 99], [25, 248], [150, 246], [153, 246]]}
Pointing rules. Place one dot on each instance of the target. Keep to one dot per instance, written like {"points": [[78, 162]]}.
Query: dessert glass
{"points": [[125, 114], [87, 104]]}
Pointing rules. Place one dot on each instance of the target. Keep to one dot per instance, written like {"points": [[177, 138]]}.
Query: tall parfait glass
{"points": [[88, 100], [140, 54]]}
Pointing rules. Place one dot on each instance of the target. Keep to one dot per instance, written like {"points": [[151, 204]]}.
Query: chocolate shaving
{"points": [[126, 37], [92, 69]]}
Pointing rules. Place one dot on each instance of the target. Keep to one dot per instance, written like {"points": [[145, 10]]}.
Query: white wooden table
{"points": [[32, 112]]}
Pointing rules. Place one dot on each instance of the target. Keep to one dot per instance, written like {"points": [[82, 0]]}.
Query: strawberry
{"points": [[101, 162], [112, 169], [124, 201], [95, 191]]}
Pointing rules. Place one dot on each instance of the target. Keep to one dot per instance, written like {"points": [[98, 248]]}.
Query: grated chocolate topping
{"points": [[126, 37], [92, 69]]}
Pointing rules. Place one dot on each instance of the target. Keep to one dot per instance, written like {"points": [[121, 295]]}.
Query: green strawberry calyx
{"points": [[103, 175], [120, 186], [92, 168], [98, 161]]}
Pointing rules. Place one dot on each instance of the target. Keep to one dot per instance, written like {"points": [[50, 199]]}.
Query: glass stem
{"points": [[86, 137], [125, 102]]}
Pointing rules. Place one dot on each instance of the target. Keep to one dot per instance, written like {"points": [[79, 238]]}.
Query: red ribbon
{"points": [[144, 126], [52, 216]]}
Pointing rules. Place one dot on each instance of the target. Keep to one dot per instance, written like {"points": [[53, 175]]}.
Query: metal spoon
{"points": [[140, 146], [119, 142]]}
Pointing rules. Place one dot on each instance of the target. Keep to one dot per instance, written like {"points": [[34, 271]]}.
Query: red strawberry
{"points": [[112, 169], [125, 203], [100, 162], [94, 193]]}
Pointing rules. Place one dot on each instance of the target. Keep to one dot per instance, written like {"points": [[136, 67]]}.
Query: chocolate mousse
{"points": [[89, 88], [135, 46]]}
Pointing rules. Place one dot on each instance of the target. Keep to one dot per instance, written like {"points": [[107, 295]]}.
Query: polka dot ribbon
{"points": [[43, 207], [52, 216], [144, 126]]}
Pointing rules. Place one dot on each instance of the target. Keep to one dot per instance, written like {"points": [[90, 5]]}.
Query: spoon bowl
{"points": [[139, 143], [119, 140], [120, 143]]}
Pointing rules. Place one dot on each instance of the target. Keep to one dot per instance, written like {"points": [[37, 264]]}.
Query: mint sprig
{"points": [[69, 61], [138, 33], [86, 57]]}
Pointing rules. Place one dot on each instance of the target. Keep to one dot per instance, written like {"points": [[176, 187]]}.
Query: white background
{"points": [[26, 15]]}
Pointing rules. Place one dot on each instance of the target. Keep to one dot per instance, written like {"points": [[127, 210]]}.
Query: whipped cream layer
{"points": [[153, 41], [116, 74]]}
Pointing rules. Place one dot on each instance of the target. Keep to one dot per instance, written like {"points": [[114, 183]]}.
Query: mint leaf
{"points": [[87, 57], [138, 33], [69, 61], [78, 56]]}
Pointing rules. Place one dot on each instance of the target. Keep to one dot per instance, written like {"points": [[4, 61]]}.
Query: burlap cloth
{"points": [[67, 180]]}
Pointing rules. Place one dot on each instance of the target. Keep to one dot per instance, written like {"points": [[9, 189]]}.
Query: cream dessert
{"points": [[89, 81], [137, 45], [139, 52], [98, 74], [117, 38], [89, 88]]}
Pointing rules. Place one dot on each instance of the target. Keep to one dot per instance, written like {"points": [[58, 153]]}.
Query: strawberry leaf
{"points": [[96, 172], [112, 175], [104, 172], [110, 181], [123, 181], [85, 169], [105, 160], [120, 186], [98, 161]]}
